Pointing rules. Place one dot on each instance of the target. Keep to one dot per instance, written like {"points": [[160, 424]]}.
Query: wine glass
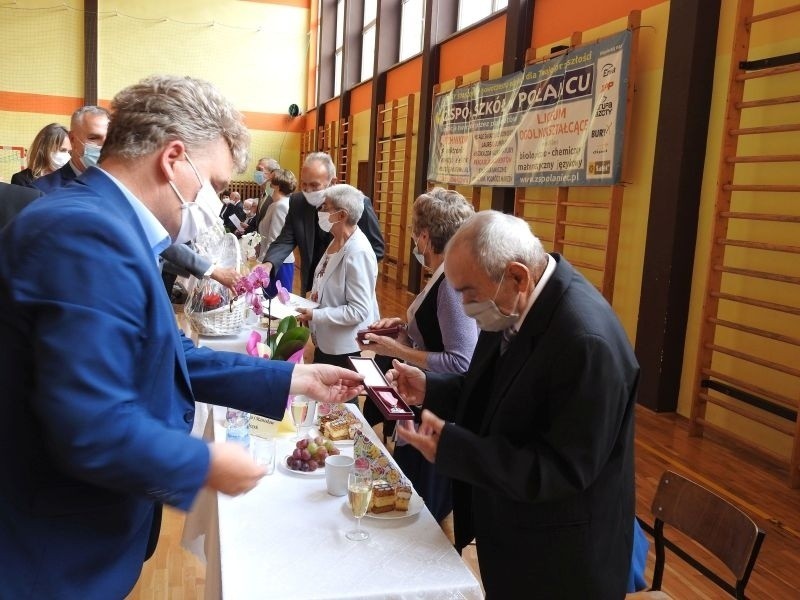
{"points": [[299, 409], [359, 493]]}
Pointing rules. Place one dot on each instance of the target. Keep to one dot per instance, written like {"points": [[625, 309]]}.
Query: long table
{"points": [[286, 539]]}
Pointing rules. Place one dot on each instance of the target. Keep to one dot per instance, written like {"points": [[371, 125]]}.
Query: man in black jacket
{"points": [[537, 435], [301, 229]]}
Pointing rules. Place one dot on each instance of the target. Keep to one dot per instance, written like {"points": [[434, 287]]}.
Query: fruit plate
{"points": [[320, 472], [415, 505]]}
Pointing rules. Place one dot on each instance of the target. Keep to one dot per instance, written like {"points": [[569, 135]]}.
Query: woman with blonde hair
{"points": [[49, 152], [435, 334]]}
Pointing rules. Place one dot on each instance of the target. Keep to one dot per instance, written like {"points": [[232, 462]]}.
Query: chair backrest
{"points": [[711, 521]]}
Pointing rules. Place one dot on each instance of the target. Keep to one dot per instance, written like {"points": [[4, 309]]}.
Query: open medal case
{"points": [[380, 392]]}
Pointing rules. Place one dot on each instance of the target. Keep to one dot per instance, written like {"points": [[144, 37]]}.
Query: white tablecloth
{"points": [[286, 539]]}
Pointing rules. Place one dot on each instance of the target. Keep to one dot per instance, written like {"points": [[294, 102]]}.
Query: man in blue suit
{"points": [[87, 133], [98, 383]]}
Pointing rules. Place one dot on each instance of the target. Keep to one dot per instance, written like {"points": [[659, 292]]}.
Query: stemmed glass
{"points": [[299, 412], [359, 493]]}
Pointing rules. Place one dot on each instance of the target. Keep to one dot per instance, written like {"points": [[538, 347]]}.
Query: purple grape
{"points": [[302, 444], [312, 465], [304, 467], [297, 453], [305, 455]]}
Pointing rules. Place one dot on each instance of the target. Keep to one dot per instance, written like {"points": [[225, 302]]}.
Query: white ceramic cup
{"points": [[263, 452], [337, 467]]}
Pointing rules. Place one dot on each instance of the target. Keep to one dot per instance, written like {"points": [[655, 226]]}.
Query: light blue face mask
{"points": [[259, 177], [91, 154]]}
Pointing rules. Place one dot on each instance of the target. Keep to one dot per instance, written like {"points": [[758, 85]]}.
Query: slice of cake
{"points": [[383, 497], [403, 496], [337, 429]]}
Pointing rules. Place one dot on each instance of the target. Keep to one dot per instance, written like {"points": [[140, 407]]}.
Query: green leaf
{"points": [[286, 323], [287, 349], [290, 342]]}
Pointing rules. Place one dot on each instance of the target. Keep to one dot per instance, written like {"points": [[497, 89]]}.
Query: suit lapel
{"points": [[524, 344], [482, 359], [309, 228], [100, 184]]}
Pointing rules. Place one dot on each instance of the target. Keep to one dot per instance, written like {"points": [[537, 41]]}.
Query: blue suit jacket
{"points": [[97, 395]]}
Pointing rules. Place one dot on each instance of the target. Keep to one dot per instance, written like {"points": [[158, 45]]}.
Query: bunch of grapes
{"points": [[310, 455]]}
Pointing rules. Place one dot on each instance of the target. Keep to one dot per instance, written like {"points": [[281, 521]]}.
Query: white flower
{"points": [[249, 242]]}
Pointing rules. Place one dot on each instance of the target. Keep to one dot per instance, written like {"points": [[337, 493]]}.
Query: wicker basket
{"points": [[225, 320]]}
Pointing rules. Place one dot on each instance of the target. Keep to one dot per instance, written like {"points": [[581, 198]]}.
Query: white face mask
{"points": [[324, 220], [200, 215], [315, 199], [418, 254], [58, 159], [488, 316]]}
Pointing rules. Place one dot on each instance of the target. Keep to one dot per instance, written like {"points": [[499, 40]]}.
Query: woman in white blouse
{"points": [[344, 280], [283, 183]]}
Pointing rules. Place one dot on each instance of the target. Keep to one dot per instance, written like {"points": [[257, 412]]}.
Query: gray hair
{"points": [[163, 108], [325, 159], [441, 212], [78, 115], [270, 164], [347, 198], [496, 239], [249, 203]]}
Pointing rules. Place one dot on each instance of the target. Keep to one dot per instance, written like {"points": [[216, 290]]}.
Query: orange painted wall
{"points": [[330, 110], [311, 119], [404, 79], [554, 20], [470, 51], [361, 97], [296, 3]]}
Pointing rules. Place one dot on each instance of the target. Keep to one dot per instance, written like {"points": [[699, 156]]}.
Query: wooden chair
{"points": [[713, 522]]}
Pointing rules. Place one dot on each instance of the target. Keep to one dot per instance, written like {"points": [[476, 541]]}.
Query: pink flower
{"points": [[252, 343], [255, 303], [244, 286], [259, 277], [283, 293]]}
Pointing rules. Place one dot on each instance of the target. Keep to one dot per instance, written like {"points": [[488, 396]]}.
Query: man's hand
{"points": [[409, 382], [268, 267], [231, 470], [227, 276], [304, 315], [326, 383], [426, 439]]}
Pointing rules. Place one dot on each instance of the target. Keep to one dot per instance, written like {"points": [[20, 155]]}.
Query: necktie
{"points": [[508, 337]]}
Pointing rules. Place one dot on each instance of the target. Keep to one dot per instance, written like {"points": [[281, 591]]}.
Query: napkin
{"points": [[368, 454]]}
